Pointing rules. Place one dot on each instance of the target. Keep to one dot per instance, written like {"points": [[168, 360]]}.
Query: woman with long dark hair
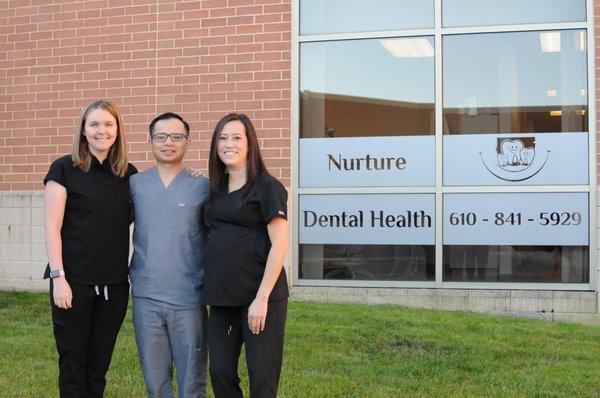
{"points": [[87, 216], [244, 280]]}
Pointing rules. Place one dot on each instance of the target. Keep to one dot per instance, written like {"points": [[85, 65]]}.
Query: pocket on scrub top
{"points": [[187, 219]]}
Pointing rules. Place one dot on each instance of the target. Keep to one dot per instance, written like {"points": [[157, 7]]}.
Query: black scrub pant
{"points": [[85, 337], [227, 330]]}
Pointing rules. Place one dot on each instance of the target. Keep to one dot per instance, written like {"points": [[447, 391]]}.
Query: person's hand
{"points": [[257, 314], [195, 172], [61, 293]]}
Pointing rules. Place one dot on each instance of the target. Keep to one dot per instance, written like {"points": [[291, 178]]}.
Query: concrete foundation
{"points": [[557, 306]]}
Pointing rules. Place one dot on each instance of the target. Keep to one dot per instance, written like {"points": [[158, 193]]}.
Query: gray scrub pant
{"points": [[167, 336]]}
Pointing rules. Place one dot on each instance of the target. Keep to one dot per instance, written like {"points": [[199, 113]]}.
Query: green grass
{"points": [[349, 351]]}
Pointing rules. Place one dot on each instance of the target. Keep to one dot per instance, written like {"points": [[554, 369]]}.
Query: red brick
{"points": [[271, 75], [215, 50], [222, 31], [72, 6], [248, 48], [240, 20], [249, 86], [255, 28], [236, 77], [237, 39], [212, 22], [72, 24]]}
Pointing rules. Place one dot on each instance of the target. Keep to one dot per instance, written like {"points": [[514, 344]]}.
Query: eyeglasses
{"points": [[175, 137]]}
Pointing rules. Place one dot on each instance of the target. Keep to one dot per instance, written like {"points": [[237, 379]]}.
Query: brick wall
{"points": [[201, 59]]}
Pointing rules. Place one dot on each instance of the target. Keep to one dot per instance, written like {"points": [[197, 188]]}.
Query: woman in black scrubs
{"points": [[244, 280], [87, 216]]}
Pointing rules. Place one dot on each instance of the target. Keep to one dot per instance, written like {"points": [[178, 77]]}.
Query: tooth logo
{"points": [[515, 159]]}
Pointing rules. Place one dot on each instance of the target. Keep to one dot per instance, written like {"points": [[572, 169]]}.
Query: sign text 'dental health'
{"points": [[516, 159], [386, 219], [367, 162], [540, 219]]}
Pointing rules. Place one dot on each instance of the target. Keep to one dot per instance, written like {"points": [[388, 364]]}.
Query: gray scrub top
{"points": [[168, 238]]}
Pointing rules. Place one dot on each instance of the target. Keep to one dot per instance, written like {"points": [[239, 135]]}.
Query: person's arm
{"points": [[279, 236], [55, 200]]}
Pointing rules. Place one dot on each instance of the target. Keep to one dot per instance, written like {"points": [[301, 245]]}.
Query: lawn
{"points": [[350, 351]]}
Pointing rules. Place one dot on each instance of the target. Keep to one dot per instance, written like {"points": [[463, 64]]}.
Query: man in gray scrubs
{"points": [[166, 273]]}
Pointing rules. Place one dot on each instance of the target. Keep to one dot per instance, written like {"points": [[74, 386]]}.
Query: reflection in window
{"points": [[377, 87], [344, 16], [515, 82], [494, 12], [368, 262], [531, 264]]}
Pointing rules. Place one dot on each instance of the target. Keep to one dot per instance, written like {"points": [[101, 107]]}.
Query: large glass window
{"points": [[343, 16], [533, 264], [372, 87], [513, 119], [516, 237], [494, 12], [368, 262], [515, 82]]}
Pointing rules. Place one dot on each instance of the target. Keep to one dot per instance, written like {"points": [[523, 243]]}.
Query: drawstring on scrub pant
{"points": [[229, 321], [105, 291]]}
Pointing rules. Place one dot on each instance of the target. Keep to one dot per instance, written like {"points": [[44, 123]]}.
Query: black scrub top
{"points": [[238, 244], [95, 230]]}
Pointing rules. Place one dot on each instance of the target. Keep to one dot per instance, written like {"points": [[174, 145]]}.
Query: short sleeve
{"points": [[131, 170], [273, 200], [57, 172]]}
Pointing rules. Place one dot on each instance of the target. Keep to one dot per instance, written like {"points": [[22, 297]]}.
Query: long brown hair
{"points": [[117, 156], [217, 172]]}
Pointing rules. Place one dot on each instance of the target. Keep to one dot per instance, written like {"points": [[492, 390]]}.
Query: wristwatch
{"points": [[56, 273]]}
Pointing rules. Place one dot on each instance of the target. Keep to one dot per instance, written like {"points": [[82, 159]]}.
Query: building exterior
{"points": [[439, 154]]}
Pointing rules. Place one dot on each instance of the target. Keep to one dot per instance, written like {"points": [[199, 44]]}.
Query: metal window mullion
{"points": [[506, 286], [516, 286], [444, 31], [593, 175], [516, 189], [515, 28], [367, 35], [364, 190], [443, 189], [439, 196], [295, 135], [365, 283]]}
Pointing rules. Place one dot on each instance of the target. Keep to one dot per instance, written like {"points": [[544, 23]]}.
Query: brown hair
{"points": [[117, 156], [217, 172]]}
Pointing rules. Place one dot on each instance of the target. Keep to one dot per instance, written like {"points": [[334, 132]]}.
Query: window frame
{"points": [[439, 190]]}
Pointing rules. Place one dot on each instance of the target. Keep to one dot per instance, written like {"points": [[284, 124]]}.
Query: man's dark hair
{"points": [[168, 115]]}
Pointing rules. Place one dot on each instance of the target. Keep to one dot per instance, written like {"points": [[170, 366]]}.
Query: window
{"points": [[378, 87], [495, 91], [533, 264], [368, 262], [494, 12], [515, 82], [343, 16], [516, 237]]}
